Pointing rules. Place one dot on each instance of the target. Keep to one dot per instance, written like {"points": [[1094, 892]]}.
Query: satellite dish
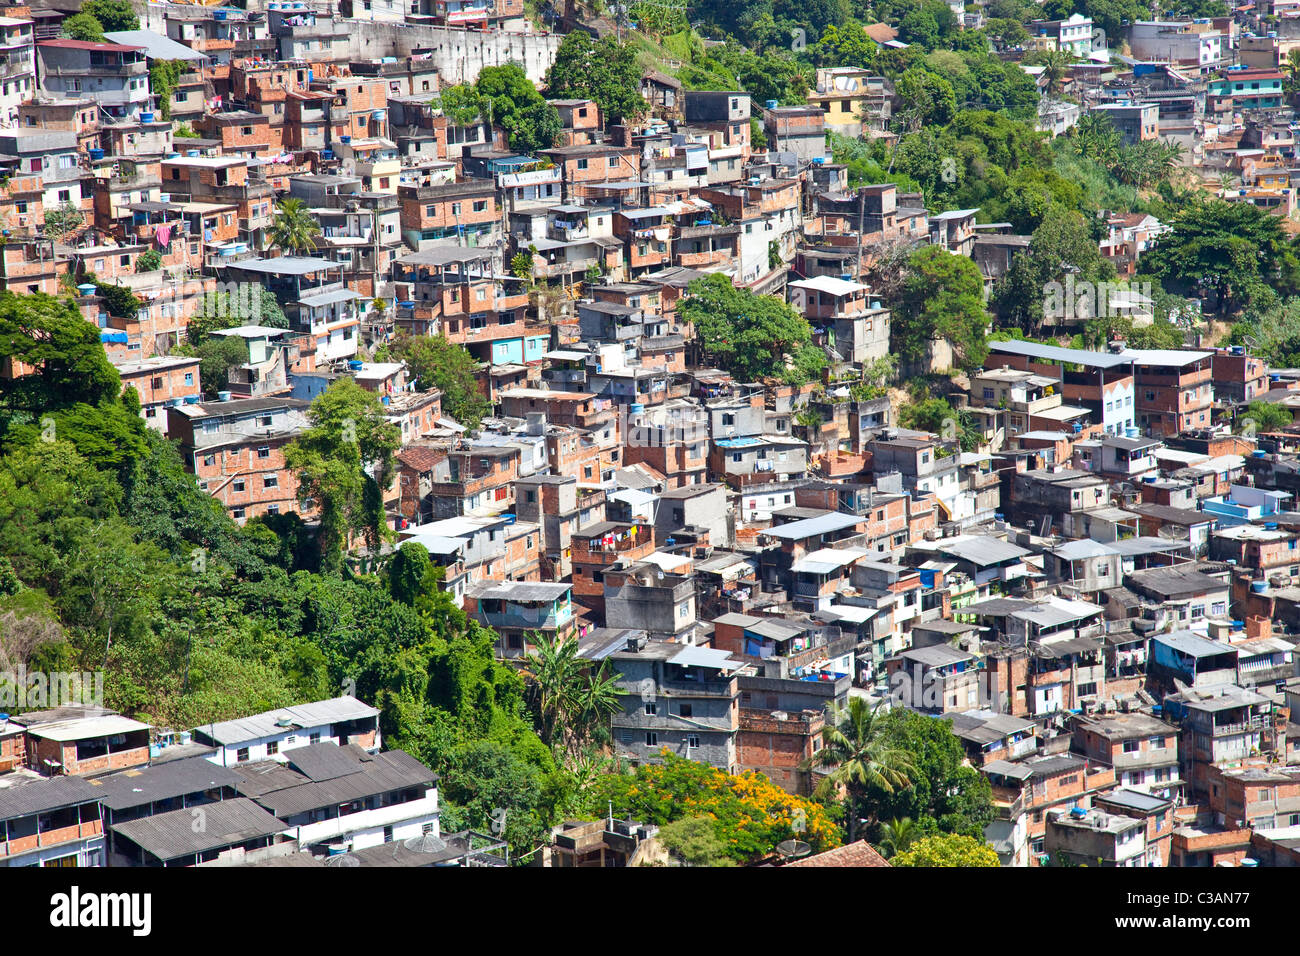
{"points": [[343, 861], [793, 849], [428, 843]]}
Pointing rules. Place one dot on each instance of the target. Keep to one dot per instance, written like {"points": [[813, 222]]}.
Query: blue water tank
{"points": [[96, 154], [771, 104], [356, 365], [1259, 587], [636, 408], [191, 399], [223, 396]]}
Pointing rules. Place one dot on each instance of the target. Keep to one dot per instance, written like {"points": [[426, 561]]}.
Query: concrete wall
{"points": [[459, 54]]}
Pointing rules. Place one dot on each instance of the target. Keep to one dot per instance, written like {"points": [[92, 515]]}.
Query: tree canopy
{"points": [[603, 70], [752, 336], [942, 297]]}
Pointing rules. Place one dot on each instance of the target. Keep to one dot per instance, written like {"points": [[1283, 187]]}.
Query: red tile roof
{"points": [[855, 854]]}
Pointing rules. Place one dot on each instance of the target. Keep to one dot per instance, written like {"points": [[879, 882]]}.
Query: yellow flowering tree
{"points": [[750, 814]]}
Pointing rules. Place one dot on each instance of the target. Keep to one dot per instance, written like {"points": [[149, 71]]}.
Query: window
{"points": [[692, 742], [684, 710], [651, 739], [1132, 746], [314, 738], [241, 755], [582, 164], [651, 709], [237, 485], [272, 748], [271, 481]]}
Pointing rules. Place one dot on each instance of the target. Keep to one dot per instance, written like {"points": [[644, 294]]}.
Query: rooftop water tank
{"points": [[356, 365], [87, 288], [223, 396], [191, 399], [771, 104], [1259, 587], [96, 154], [146, 117]]}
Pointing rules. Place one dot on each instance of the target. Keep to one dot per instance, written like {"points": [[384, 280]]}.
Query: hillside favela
{"points": [[729, 433]]}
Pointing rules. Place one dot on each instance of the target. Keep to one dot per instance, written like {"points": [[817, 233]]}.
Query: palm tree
{"points": [[860, 757], [294, 230], [574, 700], [897, 835], [1055, 64], [1293, 72]]}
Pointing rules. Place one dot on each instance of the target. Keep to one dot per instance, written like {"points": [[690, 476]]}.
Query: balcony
{"points": [[539, 618], [54, 837]]}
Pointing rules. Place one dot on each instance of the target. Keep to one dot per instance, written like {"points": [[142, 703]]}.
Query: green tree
{"points": [[119, 301], [114, 16], [51, 335], [521, 266], [217, 356], [695, 842], [846, 45], [930, 99], [1062, 243], [1230, 250], [897, 835], [859, 758], [574, 699], [435, 362], [942, 298], [514, 104], [342, 463], [64, 218], [1268, 417], [462, 105], [1056, 67], [221, 310], [752, 336], [942, 793], [148, 261], [947, 850], [82, 26], [603, 70], [293, 230]]}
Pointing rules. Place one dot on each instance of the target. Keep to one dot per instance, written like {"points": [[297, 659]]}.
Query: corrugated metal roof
{"points": [[809, 527], [168, 836], [42, 795], [315, 714], [133, 788]]}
